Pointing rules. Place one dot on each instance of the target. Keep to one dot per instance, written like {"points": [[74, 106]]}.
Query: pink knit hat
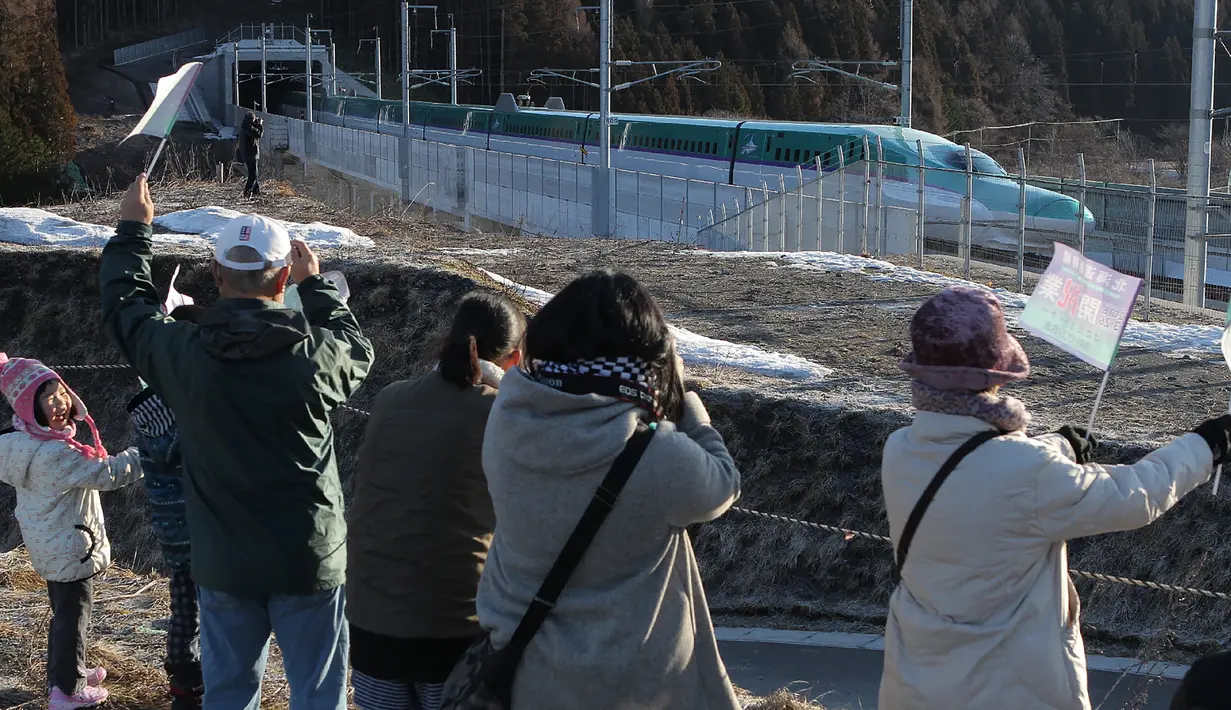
{"points": [[20, 379], [961, 343]]}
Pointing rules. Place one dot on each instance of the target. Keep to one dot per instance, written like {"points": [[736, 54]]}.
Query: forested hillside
{"points": [[978, 62], [36, 119]]}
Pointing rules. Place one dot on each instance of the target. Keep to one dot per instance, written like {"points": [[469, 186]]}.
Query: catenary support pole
{"points": [[1200, 134], [968, 219], [907, 41], [264, 70], [453, 65], [405, 69], [307, 41], [603, 182], [1081, 202], [1021, 220], [921, 221], [1151, 216], [379, 82]]}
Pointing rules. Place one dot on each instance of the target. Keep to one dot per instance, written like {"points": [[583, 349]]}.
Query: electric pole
{"points": [[1200, 133], [307, 40], [908, 59], [405, 68], [604, 114], [264, 70], [378, 79]]}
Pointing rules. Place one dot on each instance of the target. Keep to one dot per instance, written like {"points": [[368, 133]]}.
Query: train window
{"points": [[778, 154], [807, 156], [797, 155]]}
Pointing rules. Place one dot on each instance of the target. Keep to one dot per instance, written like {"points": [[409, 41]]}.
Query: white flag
{"points": [[175, 299], [168, 100]]}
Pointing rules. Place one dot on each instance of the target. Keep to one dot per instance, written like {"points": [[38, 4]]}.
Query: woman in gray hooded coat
{"points": [[632, 628]]}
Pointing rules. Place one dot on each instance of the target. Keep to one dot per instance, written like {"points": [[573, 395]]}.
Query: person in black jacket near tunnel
{"points": [[250, 151]]}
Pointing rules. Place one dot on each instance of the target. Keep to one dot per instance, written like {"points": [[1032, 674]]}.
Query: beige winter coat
{"points": [[986, 616], [58, 508]]}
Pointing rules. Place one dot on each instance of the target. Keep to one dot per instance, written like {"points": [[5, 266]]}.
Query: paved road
{"points": [[847, 679]]}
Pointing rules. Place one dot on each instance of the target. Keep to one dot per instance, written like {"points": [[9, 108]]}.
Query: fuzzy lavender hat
{"points": [[960, 343]]}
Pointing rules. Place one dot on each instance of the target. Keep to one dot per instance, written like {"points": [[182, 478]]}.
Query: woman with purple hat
{"points": [[985, 614]]}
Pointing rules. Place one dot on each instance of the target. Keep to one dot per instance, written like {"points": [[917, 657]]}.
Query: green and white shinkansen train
{"points": [[734, 152]]}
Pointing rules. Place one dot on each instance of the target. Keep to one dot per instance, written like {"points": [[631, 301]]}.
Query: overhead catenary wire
{"points": [[845, 532]]}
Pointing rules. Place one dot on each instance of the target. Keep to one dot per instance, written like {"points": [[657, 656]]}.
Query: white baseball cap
{"points": [[267, 236]]}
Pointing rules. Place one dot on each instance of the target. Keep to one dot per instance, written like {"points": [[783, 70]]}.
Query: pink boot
{"points": [[95, 676], [87, 698]]}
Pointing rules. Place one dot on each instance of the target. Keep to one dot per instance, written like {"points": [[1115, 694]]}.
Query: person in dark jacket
{"points": [[420, 527], [250, 132], [158, 445], [1206, 685], [252, 386]]}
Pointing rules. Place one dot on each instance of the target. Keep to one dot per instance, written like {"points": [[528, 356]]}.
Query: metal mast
{"points": [[908, 60], [1200, 133]]}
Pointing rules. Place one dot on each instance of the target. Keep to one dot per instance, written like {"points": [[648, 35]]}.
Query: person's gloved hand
{"points": [[1079, 438], [1217, 433]]}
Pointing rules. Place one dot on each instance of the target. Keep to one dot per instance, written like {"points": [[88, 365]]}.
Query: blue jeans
{"points": [[312, 633]]}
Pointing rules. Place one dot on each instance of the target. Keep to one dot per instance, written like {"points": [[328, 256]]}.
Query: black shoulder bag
{"points": [[483, 678], [925, 500]]}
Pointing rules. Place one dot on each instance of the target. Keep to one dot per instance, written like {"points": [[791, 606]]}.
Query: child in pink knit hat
{"points": [[60, 514]]}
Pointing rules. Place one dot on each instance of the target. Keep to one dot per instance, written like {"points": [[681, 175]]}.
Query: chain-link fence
{"points": [[984, 214]]}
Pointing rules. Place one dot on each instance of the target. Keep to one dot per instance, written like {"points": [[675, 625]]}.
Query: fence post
{"points": [[748, 211], [799, 207], [968, 218], [467, 155], [919, 223], [1021, 220], [765, 216], [841, 200], [820, 201], [782, 213], [867, 199], [404, 158], [881, 242], [1150, 220], [1081, 203]]}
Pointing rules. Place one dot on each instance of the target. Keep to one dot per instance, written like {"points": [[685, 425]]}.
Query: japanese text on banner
{"points": [[1081, 306]]}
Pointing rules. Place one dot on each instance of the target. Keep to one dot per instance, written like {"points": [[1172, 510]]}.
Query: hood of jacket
{"points": [[250, 328], [17, 451], [535, 427]]}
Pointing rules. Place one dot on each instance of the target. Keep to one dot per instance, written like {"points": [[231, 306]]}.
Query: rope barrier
{"points": [[1096, 576], [848, 534]]}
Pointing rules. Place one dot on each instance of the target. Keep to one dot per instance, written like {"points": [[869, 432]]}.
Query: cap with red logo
{"points": [[264, 235]]}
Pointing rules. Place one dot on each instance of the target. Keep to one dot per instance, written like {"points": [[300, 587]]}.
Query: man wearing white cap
{"points": [[252, 385]]}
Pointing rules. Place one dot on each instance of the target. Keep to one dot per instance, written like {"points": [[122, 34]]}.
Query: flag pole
{"points": [[1218, 469], [161, 144], [1098, 399]]}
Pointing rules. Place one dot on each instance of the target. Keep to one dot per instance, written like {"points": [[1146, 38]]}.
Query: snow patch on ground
{"points": [[701, 350], [1160, 337], [35, 227], [208, 221]]}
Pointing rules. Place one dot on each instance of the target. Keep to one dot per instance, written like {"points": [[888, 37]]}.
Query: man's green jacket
{"points": [[251, 386]]}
